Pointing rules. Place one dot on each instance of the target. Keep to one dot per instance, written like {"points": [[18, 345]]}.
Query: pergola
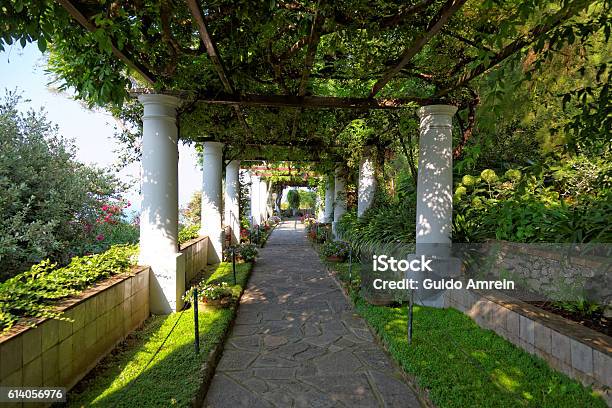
{"points": [[238, 76]]}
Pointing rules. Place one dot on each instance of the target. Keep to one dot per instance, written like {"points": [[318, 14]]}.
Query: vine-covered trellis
{"points": [[292, 75]]}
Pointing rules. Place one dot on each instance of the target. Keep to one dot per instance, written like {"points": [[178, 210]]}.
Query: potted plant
{"points": [[247, 252], [335, 251], [216, 295]]}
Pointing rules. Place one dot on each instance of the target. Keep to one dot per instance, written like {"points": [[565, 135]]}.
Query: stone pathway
{"points": [[297, 343]]}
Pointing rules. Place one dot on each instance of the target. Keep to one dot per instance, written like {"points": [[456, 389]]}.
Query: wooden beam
{"points": [[436, 24], [313, 44], [81, 19], [291, 101], [211, 49]]}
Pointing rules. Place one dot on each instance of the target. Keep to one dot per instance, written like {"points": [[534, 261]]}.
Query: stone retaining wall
{"points": [[577, 351], [553, 270], [61, 352]]}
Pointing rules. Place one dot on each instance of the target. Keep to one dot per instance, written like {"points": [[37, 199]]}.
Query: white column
{"points": [[255, 187], [319, 214], [159, 213], [232, 190], [263, 200], [328, 213], [434, 207], [212, 168], [367, 181], [339, 199]]}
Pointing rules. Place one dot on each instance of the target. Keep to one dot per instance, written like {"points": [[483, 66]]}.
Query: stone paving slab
{"points": [[297, 343]]}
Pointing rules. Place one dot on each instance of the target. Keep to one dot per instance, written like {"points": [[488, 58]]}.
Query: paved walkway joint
{"points": [[298, 343]]}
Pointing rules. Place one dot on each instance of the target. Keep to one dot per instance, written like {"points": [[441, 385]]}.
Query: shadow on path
{"points": [[297, 342]]}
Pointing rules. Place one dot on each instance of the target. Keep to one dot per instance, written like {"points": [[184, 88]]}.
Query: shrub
{"points": [[335, 248], [207, 292], [48, 200], [537, 205], [188, 233], [293, 197], [390, 221], [32, 293], [247, 252]]}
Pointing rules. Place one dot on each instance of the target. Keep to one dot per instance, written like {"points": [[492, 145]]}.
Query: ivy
{"points": [[32, 294]]}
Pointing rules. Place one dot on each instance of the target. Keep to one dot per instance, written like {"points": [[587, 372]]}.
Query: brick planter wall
{"points": [[195, 252], [575, 350], [60, 353]]}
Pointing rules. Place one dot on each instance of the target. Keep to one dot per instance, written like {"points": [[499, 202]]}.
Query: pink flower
{"points": [[100, 237], [104, 207]]}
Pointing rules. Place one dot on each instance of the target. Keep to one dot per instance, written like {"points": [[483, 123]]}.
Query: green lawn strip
{"points": [[461, 364], [172, 378]]}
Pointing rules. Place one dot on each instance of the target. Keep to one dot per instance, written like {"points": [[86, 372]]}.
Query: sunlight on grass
{"points": [[172, 378], [460, 363], [505, 381]]}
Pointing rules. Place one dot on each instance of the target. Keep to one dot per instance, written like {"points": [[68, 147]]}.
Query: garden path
{"points": [[297, 343]]}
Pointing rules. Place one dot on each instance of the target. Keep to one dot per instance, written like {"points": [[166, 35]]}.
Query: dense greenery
{"points": [[33, 293], [188, 233], [484, 52], [126, 379], [556, 202], [191, 212], [389, 220], [52, 206], [461, 364], [293, 198]]}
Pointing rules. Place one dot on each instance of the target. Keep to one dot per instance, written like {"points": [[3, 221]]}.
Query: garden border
{"points": [[61, 352], [209, 367], [577, 351]]}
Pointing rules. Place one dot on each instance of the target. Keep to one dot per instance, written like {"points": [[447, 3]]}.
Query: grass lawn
{"points": [[463, 365], [172, 378]]}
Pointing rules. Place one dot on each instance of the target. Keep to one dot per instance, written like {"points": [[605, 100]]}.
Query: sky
{"points": [[92, 131]]}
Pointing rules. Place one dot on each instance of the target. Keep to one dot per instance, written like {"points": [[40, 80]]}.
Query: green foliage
{"points": [[209, 292], [581, 307], [557, 202], [307, 199], [458, 363], [173, 378], [244, 251], [48, 200], [188, 233], [33, 293], [294, 198], [390, 221], [335, 248], [192, 211]]}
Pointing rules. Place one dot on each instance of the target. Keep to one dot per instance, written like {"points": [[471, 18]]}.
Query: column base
{"points": [[167, 283]]}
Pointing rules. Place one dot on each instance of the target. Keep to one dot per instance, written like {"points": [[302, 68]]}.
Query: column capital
{"points": [[435, 110], [211, 147]]}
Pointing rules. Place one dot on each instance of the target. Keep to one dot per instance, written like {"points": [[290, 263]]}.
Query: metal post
{"points": [[350, 266], [195, 320], [234, 263], [410, 316]]}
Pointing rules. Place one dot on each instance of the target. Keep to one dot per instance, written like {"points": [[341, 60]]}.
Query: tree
{"points": [[50, 202], [192, 212], [307, 199], [293, 197]]}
